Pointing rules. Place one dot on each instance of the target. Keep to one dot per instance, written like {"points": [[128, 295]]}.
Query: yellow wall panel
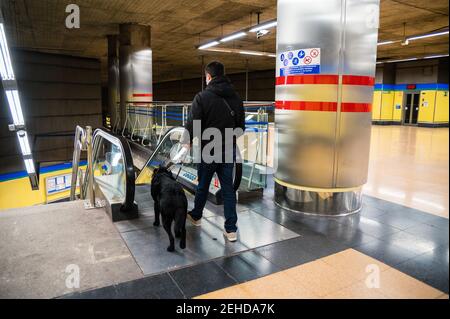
{"points": [[387, 106], [442, 107], [398, 106], [376, 107], [427, 106], [17, 193]]}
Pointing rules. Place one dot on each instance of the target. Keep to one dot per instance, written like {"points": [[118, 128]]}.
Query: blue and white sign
{"points": [[300, 62], [58, 184]]}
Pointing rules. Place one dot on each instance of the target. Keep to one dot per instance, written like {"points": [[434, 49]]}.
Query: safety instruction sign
{"points": [[300, 62], [57, 184]]}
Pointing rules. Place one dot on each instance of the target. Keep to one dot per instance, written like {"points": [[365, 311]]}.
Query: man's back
{"points": [[214, 107]]}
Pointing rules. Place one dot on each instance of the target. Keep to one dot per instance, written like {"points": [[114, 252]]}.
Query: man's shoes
{"points": [[232, 237], [195, 222]]}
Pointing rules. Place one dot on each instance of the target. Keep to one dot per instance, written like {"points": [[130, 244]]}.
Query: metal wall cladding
{"points": [[136, 80], [327, 148]]}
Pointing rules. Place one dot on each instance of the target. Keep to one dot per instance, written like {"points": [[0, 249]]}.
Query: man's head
{"points": [[213, 70]]}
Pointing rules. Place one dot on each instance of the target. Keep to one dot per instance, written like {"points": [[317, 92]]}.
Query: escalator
{"points": [[110, 180]]}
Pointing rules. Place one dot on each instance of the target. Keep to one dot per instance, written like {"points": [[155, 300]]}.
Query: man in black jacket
{"points": [[216, 109]]}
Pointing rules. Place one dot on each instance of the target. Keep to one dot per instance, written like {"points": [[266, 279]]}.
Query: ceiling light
{"points": [[15, 107], [233, 37], [24, 143], [264, 26], [6, 69], [251, 53], [436, 56], [403, 60], [427, 35], [208, 45], [385, 43], [29, 165]]}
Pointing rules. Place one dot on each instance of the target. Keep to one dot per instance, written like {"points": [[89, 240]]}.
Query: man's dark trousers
{"points": [[225, 174]]}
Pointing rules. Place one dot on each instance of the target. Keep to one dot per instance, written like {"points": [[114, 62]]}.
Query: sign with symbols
{"points": [[58, 184], [300, 62]]}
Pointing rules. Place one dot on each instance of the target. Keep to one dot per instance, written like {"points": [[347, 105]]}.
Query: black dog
{"points": [[171, 202]]}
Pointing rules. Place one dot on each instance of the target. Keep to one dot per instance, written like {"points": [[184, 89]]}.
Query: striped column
{"points": [[325, 78], [319, 93]]}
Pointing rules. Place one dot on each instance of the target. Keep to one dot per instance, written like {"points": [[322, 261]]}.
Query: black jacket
{"points": [[209, 107]]}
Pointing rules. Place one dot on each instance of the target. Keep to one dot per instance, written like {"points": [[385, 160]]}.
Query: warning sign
{"points": [[300, 62]]}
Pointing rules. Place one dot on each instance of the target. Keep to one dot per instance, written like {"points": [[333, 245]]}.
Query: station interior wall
{"points": [[57, 93], [429, 78], [18, 184], [70, 94]]}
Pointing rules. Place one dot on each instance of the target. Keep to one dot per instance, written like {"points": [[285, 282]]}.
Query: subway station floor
{"points": [[393, 249], [409, 166]]}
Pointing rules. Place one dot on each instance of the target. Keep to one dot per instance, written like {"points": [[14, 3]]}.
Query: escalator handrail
{"points": [[181, 130], [158, 147], [130, 187]]}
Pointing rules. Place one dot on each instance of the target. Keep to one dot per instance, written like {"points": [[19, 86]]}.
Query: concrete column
{"points": [[113, 78], [135, 66], [324, 92]]}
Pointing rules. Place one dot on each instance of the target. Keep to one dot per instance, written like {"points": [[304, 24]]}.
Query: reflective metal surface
{"points": [[135, 59], [320, 148], [318, 203]]}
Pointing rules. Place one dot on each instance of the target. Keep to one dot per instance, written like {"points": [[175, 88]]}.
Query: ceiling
{"points": [[180, 25]]}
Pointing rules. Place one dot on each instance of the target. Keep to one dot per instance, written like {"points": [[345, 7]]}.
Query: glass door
{"points": [[411, 109]]}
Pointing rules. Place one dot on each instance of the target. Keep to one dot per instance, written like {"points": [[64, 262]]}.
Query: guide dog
{"points": [[171, 203]]}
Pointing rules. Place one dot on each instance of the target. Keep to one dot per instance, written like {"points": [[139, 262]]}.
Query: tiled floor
{"points": [[403, 229], [334, 252], [409, 166], [148, 243], [348, 274]]}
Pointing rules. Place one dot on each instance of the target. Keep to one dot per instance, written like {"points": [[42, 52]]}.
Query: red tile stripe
{"points": [[356, 107], [325, 79], [142, 95], [358, 80], [307, 79], [323, 106], [306, 106]]}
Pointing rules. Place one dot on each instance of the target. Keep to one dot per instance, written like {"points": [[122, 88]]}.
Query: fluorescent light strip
{"points": [[15, 107], [7, 72], [436, 56], [264, 26], [427, 35], [233, 37], [385, 43], [24, 143], [415, 59], [403, 60], [251, 53], [29, 165], [208, 45]]}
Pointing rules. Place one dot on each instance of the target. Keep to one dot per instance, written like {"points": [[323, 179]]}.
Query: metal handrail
{"points": [[181, 130], [79, 145], [122, 143]]}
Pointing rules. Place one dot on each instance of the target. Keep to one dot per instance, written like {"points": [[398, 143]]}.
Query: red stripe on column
{"points": [[325, 79], [307, 79], [358, 80], [356, 107], [306, 106], [323, 106], [142, 95]]}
